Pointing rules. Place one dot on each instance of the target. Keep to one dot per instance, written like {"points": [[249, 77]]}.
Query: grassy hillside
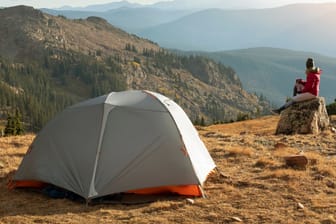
{"points": [[252, 183]]}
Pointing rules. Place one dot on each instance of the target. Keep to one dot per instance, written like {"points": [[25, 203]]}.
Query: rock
{"points": [[280, 145], [330, 220], [297, 161], [2, 165], [300, 206], [223, 175], [190, 201], [237, 219], [307, 117], [330, 184]]}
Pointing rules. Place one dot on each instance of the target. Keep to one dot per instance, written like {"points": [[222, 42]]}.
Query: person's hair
{"points": [[310, 63]]}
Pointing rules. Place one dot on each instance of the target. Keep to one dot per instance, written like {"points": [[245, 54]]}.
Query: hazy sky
{"points": [[237, 3]]}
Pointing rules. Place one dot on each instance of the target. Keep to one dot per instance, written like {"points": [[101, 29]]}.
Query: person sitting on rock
{"points": [[311, 86]]}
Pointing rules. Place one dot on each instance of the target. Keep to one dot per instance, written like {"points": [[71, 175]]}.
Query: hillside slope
{"points": [[52, 62], [252, 183]]}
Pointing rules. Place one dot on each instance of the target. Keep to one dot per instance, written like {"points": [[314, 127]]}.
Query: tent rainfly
{"points": [[131, 141]]}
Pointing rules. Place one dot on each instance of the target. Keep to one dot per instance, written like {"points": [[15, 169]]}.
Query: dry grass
{"points": [[252, 183]]}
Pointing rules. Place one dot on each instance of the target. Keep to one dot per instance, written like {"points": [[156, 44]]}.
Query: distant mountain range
{"points": [[130, 19], [182, 5], [303, 27], [103, 7], [296, 27]]}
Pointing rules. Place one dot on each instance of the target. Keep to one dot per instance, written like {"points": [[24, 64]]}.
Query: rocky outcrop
{"points": [[308, 117]]}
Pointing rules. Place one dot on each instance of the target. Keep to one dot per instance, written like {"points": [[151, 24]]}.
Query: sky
{"points": [[83, 3], [60, 3]]}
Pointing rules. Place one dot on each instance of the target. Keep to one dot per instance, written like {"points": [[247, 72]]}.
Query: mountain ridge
{"points": [[102, 7]]}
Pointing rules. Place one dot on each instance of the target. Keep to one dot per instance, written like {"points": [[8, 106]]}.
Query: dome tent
{"points": [[131, 141]]}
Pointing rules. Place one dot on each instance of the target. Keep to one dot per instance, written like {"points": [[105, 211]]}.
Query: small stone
{"points": [[330, 220], [300, 206], [280, 145], [223, 175], [318, 177], [330, 184], [299, 161], [333, 129], [235, 218], [2, 165], [190, 201]]}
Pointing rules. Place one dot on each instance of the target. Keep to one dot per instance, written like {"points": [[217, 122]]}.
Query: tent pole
{"points": [[202, 191]]}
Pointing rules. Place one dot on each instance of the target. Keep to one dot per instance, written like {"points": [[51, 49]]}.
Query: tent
{"points": [[131, 141]]}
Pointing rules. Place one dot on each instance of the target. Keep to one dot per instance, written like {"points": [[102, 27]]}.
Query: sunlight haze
{"points": [[188, 3]]}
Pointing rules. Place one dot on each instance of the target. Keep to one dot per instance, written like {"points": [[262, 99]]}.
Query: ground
{"points": [[251, 184]]}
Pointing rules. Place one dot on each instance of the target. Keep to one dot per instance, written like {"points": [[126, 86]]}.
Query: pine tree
{"points": [[14, 125], [19, 130], [9, 129], [202, 121]]}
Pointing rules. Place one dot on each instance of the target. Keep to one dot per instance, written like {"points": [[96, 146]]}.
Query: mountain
{"points": [[182, 5], [271, 71], [133, 20], [167, 5], [304, 27], [219, 4], [48, 62], [102, 7]]}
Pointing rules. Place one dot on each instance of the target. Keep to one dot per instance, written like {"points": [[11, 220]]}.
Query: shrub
{"points": [[331, 109]]}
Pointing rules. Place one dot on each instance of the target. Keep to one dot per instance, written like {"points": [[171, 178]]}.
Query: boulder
{"points": [[307, 117]]}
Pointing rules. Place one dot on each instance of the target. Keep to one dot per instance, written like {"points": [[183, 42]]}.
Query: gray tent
{"points": [[120, 142]]}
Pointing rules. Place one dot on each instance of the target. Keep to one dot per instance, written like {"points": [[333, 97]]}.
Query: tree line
{"points": [[40, 89]]}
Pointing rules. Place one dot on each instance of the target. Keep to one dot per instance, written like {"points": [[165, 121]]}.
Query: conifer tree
{"points": [[9, 129], [14, 125], [19, 130]]}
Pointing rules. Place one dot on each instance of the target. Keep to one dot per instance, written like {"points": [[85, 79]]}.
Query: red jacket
{"points": [[313, 82]]}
